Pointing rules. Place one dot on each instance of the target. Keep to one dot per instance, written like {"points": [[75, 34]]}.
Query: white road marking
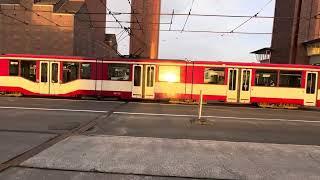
{"points": [[217, 117], [167, 115], [48, 109], [153, 114]]}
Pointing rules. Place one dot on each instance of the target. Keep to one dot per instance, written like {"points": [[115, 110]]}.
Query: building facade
{"points": [[54, 27], [296, 32], [145, 18]]}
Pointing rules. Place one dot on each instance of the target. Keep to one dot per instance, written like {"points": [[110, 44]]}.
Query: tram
{"points": [[127, 79]]}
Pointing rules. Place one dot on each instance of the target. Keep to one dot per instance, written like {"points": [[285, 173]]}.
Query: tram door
{"points": [[49, 77], [233, 85], [245, 89], [310, 98], [137, 89], [144, 81]]}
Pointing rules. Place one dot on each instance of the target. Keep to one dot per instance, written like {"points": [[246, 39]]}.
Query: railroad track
{"points": [[17, 160]]}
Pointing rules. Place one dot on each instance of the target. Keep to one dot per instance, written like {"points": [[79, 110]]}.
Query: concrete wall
{"points": [[283, 32], [309, 28], [294, 25], [144, 40]]}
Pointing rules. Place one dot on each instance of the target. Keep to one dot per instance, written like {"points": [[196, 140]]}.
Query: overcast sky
{"points": [[204, 46]]}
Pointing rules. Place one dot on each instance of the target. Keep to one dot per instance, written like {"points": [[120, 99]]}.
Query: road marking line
{"points": [[47, 109], [153, 114], [217, 117]]}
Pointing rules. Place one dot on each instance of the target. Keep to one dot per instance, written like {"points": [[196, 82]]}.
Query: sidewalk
{"points": [[182, 158]]}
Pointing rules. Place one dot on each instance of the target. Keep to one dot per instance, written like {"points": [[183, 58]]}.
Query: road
{"points": [[26, 123]]}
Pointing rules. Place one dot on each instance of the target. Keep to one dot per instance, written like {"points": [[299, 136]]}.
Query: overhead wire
{"points": [[12, 17], [106, 45], [49, 20], [250, 18], [187, 14], [171, 21], [127, 29], [185, 23], [134, 15]]}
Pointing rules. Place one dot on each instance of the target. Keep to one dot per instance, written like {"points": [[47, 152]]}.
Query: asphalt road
{"points": [[28, 122]]}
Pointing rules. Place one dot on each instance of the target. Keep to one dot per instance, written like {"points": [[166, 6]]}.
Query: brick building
{"points": [[55, 27], [144, 41], [296, 32]]}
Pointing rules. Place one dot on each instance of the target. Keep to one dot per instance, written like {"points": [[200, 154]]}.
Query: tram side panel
{"points": [[11, 80], [116, 80], [211, 80], [185, 81], [4, 67], [172, 82], [269, 88]]}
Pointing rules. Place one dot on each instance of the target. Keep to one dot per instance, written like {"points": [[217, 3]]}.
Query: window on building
{"points": [[290, 79], [28, 70], [14, 68], [169, 74], [70, 71], [267, 78], [118, 72], [214, 76], [85, 71]]}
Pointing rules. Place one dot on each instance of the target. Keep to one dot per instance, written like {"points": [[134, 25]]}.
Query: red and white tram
{"points": [[264, 84]]}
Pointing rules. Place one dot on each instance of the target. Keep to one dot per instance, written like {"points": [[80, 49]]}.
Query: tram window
{"points": [[70, 71], [85, 71], [267, 78], [290, 79], [233, 80], [54, 72], [44, 72], [246, 78], [150, 76], [118, 72], [28, 70], [14, 68], [169, 74], [137, 75], [214, 76], [311, 83]]}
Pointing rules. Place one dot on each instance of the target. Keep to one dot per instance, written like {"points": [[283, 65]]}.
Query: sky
{"points": [[205, 46]]}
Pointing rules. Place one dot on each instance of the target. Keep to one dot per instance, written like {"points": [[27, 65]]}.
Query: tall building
{"points": [[55, 27], [296, 32], [145, 18]]}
